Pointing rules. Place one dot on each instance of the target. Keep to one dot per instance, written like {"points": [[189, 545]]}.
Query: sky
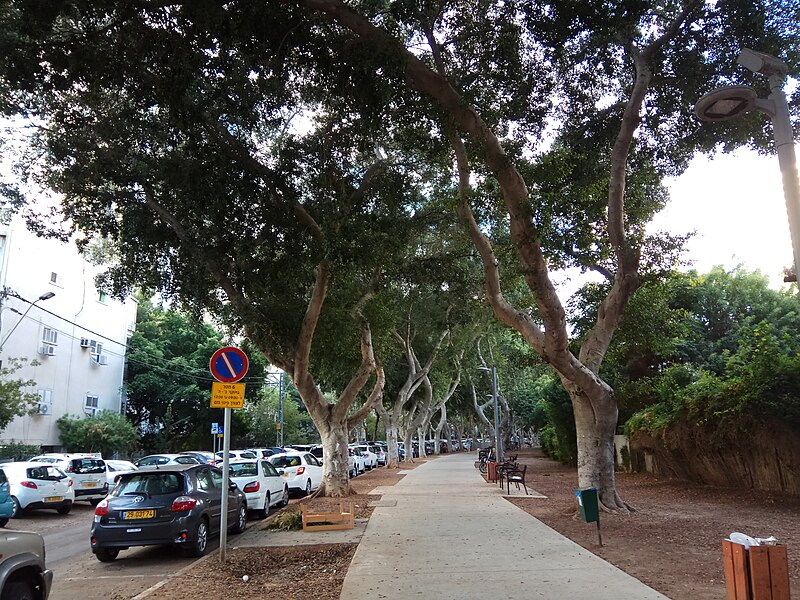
{"points": [[735, 204]]}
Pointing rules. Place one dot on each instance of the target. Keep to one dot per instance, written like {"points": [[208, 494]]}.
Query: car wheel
{"points": [[285, 500], [18, 590], [106, 554], [3, 522], [200, 544], [262, 513], [16, 509], [64, 510], [353, 472], [308, 487], [241, 520]]}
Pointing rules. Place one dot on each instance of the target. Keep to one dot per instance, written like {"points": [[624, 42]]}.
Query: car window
{"points": [[45, 472], [86, 466], [216, 476], [186, 460], [285, 461], [312, 460], [3, 478], [244, 469], [247, 455], [269, 470], [153, 484], [204, 481], [45, 459]]}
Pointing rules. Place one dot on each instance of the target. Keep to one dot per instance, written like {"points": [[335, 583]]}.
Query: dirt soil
{"points": [[672, 542]]}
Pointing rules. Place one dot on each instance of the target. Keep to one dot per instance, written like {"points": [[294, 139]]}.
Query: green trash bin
{"points": [[587, 502]]}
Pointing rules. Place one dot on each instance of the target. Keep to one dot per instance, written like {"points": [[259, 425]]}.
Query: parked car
{"points": [[115, 468], [234, 455], [178, 504], [261, 483], [202, 456], [370, 458], [356, 462], [6, 503], [318, 453], [262, 452], [301, 470], [166, 459], [23, 575], [87, 471], [380, 453], [38, 485]]}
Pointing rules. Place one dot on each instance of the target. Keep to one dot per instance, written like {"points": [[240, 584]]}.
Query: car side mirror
{"points": [[281, 471], [232, 485]]}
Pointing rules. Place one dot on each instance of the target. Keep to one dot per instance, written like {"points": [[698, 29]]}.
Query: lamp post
{"points": [[497, 445], [730, 102], [45, 296]]}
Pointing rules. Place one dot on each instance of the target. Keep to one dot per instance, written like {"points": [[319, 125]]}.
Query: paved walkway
{"points": [[444, 533]]}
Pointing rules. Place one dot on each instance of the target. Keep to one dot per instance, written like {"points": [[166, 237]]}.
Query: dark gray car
{"points": [[23, 575], [177, 505]]}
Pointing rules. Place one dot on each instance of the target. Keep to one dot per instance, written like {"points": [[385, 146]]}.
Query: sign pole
{"points": [[226, 446]]}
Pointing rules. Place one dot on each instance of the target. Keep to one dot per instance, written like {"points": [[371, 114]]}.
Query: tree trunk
{"points": [[595, 428], [335, 468], [392, 436]]}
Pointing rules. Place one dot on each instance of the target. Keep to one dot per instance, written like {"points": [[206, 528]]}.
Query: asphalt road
{"points": [[78, 575]]}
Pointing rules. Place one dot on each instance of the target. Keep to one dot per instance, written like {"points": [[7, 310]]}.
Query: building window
{"points": [[102, 298], [55, 279], [96, 348], [49, 336], [92, 402], [45, 396]]}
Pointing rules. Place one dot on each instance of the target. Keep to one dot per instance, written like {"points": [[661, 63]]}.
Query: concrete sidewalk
{"points": [[444, 533]]}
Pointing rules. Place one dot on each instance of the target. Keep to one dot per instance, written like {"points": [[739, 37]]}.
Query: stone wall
{"points": [[758, 455]]}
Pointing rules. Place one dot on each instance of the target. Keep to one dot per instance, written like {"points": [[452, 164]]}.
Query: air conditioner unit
{"points": [[101, 359], [85, 342], [47, 350], [44, 408]]}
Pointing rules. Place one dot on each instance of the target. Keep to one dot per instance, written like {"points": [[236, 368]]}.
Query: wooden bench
{"points": [[330, 521]]}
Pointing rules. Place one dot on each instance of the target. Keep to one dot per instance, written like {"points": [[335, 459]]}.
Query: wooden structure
{"points": [[329, 521], [757, 573]]}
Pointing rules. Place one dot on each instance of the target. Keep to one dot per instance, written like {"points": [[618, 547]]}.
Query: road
{"points": [[78, 575]]}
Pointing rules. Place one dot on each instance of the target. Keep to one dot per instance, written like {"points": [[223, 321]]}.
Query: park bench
{"points": [[329, 521]]}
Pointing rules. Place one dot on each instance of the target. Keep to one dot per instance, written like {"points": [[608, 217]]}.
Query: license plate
{"points": [[138, 514], [91, 484], [54, 498]]}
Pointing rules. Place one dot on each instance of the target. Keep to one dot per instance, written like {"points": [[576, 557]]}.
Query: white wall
{"points": [[27, 268]]}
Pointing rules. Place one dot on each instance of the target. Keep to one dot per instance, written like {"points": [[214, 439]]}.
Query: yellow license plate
{"points": [[138, 514], [54, 498], [91, 484]]}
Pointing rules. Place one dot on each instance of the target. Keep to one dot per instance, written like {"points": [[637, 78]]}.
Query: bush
{"points": [[17, 451]]}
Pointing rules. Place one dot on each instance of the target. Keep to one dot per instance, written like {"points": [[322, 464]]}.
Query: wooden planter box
{"points": [[332, 521], [760, 573]]}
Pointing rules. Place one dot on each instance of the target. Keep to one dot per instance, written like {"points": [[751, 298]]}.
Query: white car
{"points": [[261, 483], [115, 468], [158, 460], [370, 458], [235, 455], [300, 470], [87, 471], [356, 462], [38, 485]]}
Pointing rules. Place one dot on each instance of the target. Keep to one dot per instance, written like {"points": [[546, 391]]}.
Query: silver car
{"points": [[22, 570]]}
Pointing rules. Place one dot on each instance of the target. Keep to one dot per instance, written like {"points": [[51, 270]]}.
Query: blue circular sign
{"points": [[229, 364]]}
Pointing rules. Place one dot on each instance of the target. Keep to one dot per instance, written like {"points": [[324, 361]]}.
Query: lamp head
{"points": [[47, 296], [758, 62]]}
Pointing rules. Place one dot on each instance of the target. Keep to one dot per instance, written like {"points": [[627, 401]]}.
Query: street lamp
{"points": [[498, 446], [45, 296], [730, 102]]}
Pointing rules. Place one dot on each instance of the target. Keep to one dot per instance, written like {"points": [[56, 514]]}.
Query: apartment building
{"points": [[52, 313]]}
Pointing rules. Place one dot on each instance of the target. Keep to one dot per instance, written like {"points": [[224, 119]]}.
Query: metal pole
{"points": [[497, 445], [280, 410], [784, 143], [223, 521]]}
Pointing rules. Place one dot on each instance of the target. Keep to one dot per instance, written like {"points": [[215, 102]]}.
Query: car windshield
{"points": [[152, 484], [285, 461], [243, 469], [85, 466]]}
